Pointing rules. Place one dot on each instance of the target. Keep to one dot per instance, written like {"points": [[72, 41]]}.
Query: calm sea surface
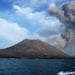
{"points": [[35, 66]]}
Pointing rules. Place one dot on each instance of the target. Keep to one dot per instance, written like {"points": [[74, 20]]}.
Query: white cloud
{"points": [[39, 18], [22, 11], [52, 5], [12, 31]]}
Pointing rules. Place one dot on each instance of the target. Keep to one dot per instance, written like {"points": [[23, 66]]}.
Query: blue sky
{"points": [[28, 19]]}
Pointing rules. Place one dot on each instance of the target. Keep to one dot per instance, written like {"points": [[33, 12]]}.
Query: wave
{"points": [[66, 73]]}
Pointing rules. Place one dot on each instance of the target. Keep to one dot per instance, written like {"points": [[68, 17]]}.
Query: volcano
{"points": [[32, 49]]}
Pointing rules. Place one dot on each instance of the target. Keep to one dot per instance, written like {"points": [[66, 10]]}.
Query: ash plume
{"points": [[66, 15]]}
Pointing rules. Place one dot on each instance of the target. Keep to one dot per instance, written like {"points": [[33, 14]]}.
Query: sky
{"points": [[29, 19]]}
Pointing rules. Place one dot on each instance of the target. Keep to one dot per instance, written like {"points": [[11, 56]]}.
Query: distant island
{"points": [[32, 49]]}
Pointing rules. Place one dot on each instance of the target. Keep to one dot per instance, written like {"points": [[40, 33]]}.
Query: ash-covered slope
{"points": [[32, 49]]}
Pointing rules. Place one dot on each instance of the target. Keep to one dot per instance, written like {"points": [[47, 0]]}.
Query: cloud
{"points": [[22, 11], [52, 27], [12, 31], [39, 18]]}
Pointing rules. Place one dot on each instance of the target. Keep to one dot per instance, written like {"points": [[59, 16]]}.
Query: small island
{"points": [[32, 49]]}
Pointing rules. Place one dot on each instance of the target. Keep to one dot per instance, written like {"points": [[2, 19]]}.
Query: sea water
{"points": [[36, 66]]}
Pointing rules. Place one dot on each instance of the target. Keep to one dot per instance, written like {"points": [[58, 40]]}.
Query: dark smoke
{"points": [[67, 16]]}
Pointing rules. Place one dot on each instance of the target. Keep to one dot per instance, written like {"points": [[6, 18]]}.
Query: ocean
{"points": [[12, 66]]}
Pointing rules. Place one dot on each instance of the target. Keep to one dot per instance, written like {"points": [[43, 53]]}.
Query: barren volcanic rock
{"points": [[32, 49]]}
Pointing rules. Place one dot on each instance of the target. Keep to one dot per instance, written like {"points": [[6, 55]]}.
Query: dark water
{"points": [[35, 66]]}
